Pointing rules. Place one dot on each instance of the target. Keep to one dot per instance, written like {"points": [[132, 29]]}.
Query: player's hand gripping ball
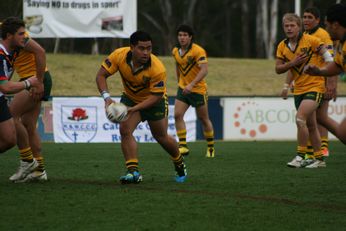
{"points": [[116, 112]]}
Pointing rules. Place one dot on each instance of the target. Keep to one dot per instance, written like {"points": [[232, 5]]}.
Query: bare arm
{"points": [[101, 82], [331, 88], [14, 87], [40, 60], [40, 57], [287, 85], [330, 69], [201, 75]]}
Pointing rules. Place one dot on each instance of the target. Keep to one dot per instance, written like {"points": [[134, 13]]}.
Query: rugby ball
{"points": [[116, 112]]}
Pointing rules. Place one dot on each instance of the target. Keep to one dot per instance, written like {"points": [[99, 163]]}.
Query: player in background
{"points": [[311, 23], [336, 27], [12, 36], [294, 53], [26, 107], [191, 70], [144, 81]]}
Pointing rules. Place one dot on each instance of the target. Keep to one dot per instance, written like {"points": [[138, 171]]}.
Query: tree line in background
{"points": [[225, 28]]}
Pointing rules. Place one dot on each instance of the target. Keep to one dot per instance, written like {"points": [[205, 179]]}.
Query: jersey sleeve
{"points": [[3, 69], [316, 44], [111, 62], [201, 56]]}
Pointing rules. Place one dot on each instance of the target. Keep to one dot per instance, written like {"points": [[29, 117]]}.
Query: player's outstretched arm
{"points": [[331, 69], [14, 87]]}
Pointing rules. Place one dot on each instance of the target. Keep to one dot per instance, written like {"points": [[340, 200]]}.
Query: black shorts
{"points": [[4, 110]]}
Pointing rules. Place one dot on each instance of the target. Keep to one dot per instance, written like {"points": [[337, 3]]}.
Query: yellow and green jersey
{"points": [[340, 56], [188, 65], [324, 36], [140, 84], [309, 45], [25, 63]]}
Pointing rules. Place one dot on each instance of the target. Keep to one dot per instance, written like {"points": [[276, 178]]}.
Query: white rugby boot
{"points": [[34, 176], [296, 162], [24, 169]]}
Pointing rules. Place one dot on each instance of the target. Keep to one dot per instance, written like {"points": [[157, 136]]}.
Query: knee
{"points": [[124, 132], [178, 116], [301, 123]]}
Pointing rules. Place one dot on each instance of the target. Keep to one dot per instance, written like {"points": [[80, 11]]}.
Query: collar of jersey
{"points": [[145, 65], [187, 50], [313, 30], [287, 41]]}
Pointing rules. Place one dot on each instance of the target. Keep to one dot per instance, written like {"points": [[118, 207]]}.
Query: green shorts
{"points": [[315, 96], [193, 99], [47, 84], [156, 112]]}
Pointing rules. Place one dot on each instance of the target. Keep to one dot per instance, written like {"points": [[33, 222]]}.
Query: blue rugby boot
{"points": [[131, 177], [181, 173]]}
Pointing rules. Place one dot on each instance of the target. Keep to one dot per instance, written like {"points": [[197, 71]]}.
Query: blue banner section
{"points": [[45, 122], [215, 115]]}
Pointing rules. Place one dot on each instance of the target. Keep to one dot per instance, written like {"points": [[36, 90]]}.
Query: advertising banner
{"points": [[83, 120], [80, 18], [264, 118]]}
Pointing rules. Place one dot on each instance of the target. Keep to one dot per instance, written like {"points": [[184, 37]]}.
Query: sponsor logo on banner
{"points": [[243, 115], [258, 119], [267, 118], [82, 120], [79, 123]]}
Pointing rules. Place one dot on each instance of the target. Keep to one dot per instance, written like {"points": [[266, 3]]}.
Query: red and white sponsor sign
{"points": [[264, 118]]}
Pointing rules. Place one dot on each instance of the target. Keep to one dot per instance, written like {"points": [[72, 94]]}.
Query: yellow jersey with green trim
{"points": [[340, 56], [140, 84], [324, 36], [188, 65], [310, 45], [25, 63]]}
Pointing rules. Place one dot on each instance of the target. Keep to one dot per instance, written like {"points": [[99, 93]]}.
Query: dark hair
{"points": [[139, 36], [185, 28], [337, 13], [314, 11], [10, 26]]}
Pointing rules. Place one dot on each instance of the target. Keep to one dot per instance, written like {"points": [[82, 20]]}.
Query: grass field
{"points": [[74, 75], [246, 187]]}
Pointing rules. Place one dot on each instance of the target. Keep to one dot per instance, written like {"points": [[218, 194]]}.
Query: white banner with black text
{"points": [[80, 18]]}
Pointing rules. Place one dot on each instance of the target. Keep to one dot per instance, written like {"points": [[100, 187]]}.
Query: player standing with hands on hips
{"points": [[191, 70], [144, 80]]}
